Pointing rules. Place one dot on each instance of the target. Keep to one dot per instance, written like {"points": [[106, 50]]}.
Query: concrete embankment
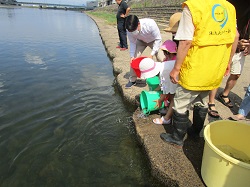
{"points": [[173, 166]]}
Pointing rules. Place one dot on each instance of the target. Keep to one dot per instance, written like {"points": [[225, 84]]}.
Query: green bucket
{"points": [[147, 99], [153, 83]]}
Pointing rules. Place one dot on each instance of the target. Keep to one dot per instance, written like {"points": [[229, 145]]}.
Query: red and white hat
{"points": [[145, 67]]}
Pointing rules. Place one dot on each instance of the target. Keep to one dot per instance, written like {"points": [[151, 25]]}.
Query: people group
{"points": [[208, 44]]}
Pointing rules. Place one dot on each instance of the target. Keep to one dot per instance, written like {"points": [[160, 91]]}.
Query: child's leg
{"points": [[170, 108], [167, 118]]}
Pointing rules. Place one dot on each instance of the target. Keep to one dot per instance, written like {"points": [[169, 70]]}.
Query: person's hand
{"points": [[244, 45], [247, 50], [131, 59], [174, 74], [122, 15], [158, 103]]}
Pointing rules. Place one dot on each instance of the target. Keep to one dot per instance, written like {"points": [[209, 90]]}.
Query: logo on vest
{"points": [[219, 14]]}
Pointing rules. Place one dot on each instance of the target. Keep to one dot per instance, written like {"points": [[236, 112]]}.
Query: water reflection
{"points": [[10, 13], [1, 84], [32, 59]]}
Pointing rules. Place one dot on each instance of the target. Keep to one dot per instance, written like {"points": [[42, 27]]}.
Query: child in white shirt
{"points": [[145, 67], [168, 88]]}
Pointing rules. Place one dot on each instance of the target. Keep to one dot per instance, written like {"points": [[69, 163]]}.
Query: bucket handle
{"points": [[147, 112]]}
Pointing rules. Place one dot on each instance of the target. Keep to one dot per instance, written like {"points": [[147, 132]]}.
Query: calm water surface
{"points": [[62, 123]]}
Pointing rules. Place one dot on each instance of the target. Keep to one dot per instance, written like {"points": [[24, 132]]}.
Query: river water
{"points": [[62, 122]]}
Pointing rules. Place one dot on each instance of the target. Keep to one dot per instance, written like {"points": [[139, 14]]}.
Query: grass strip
{"points": [[110, 18]]}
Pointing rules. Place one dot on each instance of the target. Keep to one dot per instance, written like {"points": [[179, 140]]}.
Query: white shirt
{"points": [[149, 32], [166, 85], [186, 27]]}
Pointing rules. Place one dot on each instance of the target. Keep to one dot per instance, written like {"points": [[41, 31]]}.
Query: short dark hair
{"points": [[131, 23]]}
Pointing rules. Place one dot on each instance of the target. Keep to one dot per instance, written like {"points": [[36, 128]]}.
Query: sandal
{"points": [[161, 121], [213, 113], [228, 104]]}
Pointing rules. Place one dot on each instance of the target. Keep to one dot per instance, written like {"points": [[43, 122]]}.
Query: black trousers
{"points": [[122, 33]]}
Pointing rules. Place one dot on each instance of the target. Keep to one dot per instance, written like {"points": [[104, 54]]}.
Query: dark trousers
{"points": [[122, 33]]}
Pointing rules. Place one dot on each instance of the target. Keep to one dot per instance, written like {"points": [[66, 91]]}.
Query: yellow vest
{"points": [[207, 59]]}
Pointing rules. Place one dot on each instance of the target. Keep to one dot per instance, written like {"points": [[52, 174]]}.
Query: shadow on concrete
{"points": [[126, 76], [193, 149], [235, 99], [139, 82], [137, 100], [212, 119]]}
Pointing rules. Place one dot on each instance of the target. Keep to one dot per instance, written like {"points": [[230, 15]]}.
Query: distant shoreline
{"points": [[9, 6]]}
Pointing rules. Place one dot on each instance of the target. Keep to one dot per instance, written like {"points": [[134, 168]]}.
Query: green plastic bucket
{"points": [[153, 83], [147, 99]]}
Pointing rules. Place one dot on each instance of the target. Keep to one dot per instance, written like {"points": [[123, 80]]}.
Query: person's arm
{"points": [[157, 42], [248, 48], [184, 34], [244, 45], [125, 6], [159, 102], [132, 42], [156, 47], [182, 51], [234, 47], [127, 12]]}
